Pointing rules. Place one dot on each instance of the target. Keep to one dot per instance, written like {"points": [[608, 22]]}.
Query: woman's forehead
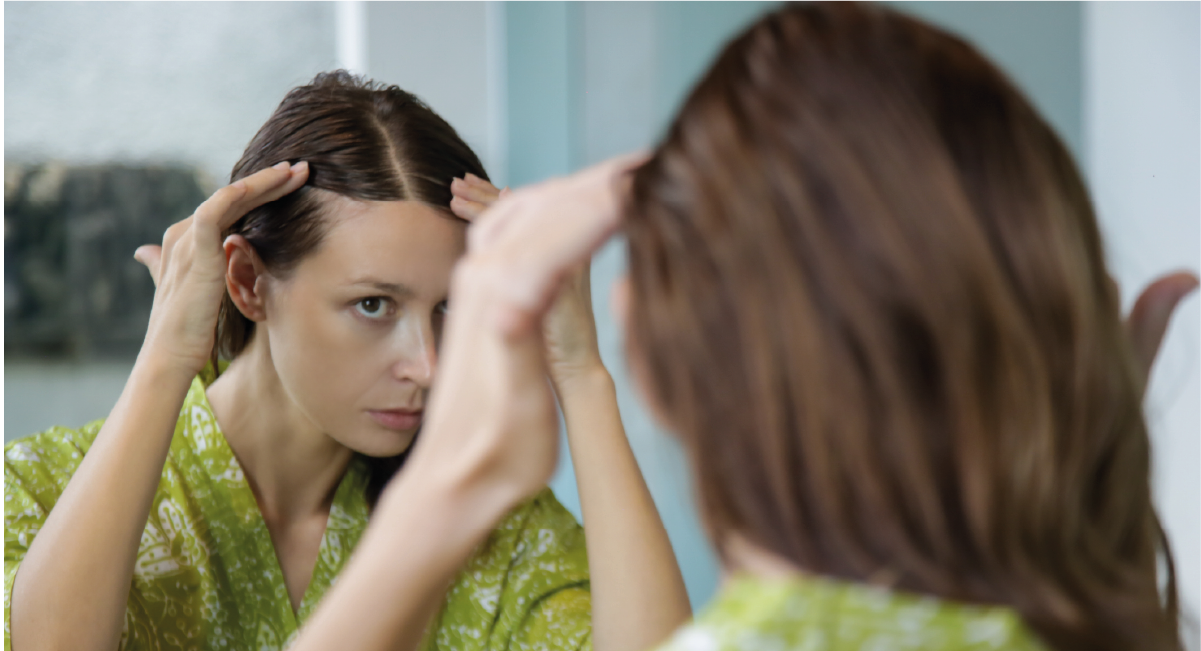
{"points": [[403, 242]]}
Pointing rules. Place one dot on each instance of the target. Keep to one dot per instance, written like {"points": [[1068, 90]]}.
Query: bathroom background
{"points": [[121, 117]]}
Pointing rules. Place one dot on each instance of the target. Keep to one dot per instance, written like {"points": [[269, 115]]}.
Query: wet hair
{"points": [[870, 296], [362, 140]]}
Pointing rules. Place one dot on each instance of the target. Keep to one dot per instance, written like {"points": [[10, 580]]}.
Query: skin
{"points": [[1148, 320], [466, 471], [480, 462], [72, 587], [518, 261], [638, 593], [351, 330]]}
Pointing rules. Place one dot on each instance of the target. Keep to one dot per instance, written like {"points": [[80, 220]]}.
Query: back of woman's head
{"points": [[869, 292], [362, 140]]}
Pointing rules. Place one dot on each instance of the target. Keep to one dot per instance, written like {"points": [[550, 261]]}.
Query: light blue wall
{"points": [[543, 58], [590, 80], [154, 82], [1037, 43], [691, 34], [1142, 134]]}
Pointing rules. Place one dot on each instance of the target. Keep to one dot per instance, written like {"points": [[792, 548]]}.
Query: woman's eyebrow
{"points": [[396, 289]]}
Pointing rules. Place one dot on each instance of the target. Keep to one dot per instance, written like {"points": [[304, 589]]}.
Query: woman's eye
{"points": [[373, 308], [442, 308]]}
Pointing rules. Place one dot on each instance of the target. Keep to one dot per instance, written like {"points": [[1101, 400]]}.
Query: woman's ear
{"points": [[243, 271]]}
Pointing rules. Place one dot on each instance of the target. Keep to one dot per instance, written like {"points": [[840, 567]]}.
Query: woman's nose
{"points": [[418, 356]]}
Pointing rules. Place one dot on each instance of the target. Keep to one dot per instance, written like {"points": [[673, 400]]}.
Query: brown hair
{"points": [[362, 140], [870, 294]]}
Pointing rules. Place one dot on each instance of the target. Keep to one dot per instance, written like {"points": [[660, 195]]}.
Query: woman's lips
{"points": [[397, 419]]}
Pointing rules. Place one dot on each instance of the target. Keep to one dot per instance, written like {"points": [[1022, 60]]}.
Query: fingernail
{"points": [[301, 166], [282, 165]]}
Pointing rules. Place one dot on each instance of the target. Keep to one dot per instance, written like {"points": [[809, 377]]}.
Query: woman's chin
{"points": [[382, 442]]}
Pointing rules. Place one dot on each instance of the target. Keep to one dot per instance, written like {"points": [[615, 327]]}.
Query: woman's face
{"points": [[353, 331]]}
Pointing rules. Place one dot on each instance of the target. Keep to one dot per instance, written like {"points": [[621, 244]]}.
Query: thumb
{"points": [[1148, 319], [150, 255]]}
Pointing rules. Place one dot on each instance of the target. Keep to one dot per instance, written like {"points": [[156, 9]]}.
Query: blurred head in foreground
{"points": [[868, 291]]}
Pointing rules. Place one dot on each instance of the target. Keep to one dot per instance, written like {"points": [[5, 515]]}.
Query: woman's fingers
{"points": [[188, 270], [466, 209], [150, 255], [494, 349], [473, 188], [230, 203], [472, 196], [225, 207], [595, 190], [166, 252], [533, 239], [1149, 318]]}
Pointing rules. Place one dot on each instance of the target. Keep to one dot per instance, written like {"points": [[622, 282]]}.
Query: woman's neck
{"points": [[292, 466], [745, 557]]}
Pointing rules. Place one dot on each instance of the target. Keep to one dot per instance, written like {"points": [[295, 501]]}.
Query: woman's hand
{"points": [[189, 269], [571, 327], [1148, 319], [572, 350], [96, 525], [491, 417], [638, 593]]}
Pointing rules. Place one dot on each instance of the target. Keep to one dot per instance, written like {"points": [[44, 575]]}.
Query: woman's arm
{"points": [[638, 594], [72, 585], [471, 466], [422, 532]]}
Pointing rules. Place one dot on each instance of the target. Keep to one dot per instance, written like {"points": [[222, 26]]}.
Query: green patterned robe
{"points": [[207, 577], [817, 614]]}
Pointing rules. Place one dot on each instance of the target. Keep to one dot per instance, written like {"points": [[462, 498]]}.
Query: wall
{"points": [[146, 81], [591, 80], [1142, 117], [541, 89], [99, 82], [438, 51], [1036, 43]]}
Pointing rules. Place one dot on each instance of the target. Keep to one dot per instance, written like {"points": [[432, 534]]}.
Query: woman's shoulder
{"points": [[528, 581], [541, 512], [41, 464], [47, 459], [537, 547], [797, 613]]}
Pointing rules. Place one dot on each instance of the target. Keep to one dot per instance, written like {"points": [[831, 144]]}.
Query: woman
{"points": [[867, 292], [214, 512]]}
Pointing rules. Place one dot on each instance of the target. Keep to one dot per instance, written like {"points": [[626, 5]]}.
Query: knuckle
{"points": [[221, 199]]}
